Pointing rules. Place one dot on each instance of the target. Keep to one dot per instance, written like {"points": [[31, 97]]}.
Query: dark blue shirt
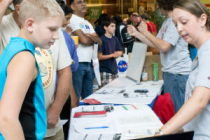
{"points": [[99, 30], [109, 46]]}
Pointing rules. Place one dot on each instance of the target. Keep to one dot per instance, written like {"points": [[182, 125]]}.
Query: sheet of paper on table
{"points": [[92, 136], [131, 107], [137, 119], [140, 131], [108, 136], [110, 124]]}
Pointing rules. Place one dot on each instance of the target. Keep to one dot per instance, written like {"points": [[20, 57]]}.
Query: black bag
{"points": [[126, 38]]}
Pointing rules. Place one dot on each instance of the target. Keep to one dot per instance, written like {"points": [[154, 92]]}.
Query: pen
{"points": [[102, 127], [85, 137]]}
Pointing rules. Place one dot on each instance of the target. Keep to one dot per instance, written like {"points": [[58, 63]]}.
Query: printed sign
{"points": [[95, 12]]}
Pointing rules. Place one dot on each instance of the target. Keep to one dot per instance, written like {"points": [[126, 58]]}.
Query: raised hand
{"points": [[8, 2], [143, 27], [68, 30], [132, 30]]}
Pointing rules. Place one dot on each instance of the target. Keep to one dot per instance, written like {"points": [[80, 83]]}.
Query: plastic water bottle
{"points": [[144, 75]]}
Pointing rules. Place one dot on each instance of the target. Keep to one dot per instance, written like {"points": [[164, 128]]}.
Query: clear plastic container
{"points": [[144, 75]]}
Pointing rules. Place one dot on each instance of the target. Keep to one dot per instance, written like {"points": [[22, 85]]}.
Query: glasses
{"points": [[80, 2]]}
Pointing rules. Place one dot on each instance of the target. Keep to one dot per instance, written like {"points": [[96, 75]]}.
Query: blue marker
{"points": [[102, 127]]}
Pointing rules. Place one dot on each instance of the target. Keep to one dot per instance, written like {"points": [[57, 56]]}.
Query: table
{"points": [[123, 83], [110, 94], [112, 119]]}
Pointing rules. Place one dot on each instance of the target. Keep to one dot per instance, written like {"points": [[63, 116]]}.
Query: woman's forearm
{"points": [[145, 40]]}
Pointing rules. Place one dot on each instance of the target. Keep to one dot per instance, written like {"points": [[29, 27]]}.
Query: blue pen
{"points": [[97, 127]]}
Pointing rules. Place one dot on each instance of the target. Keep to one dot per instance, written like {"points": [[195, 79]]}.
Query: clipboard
{"points": [[178, 136]]}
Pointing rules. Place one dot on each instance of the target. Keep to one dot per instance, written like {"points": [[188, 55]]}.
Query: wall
{"points": [[207, 3]]}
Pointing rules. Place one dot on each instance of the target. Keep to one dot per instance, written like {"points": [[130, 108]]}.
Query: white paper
{"points": [[107, 136], [96, 64], [92, 136], [119, 108], [138, 131], [81, 137], [112, 127], [61, 122], [142, 106], [89, 120], [137, 119]]}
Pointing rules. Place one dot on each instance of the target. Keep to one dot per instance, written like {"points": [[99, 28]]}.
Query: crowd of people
{"points": [[43, 73]]}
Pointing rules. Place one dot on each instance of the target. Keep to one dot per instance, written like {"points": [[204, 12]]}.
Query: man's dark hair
{"points": [[145, 16], [71, 1], [118, 19], [101, 18], [166, 4], [60, 2], [66, 9], [15, 2], [107, 21], [129, 21], [135, 14]]}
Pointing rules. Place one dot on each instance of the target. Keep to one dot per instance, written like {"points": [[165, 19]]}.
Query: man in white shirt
{"points": [[82, 78], [56, 59]]}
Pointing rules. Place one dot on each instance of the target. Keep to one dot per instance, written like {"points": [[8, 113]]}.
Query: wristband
{"points": [[159, 131]]}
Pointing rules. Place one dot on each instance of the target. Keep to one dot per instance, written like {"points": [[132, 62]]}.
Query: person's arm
{"points": [[156, 42], [132, 31], [20, 73], [189, 110], [105, 57], [4, 4], [83, 38], [147, 38], [118, 48], [62, 92], [119, 53], [63, 84], [95, 38], [68, 30], [74, 100], [199, 99]]}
